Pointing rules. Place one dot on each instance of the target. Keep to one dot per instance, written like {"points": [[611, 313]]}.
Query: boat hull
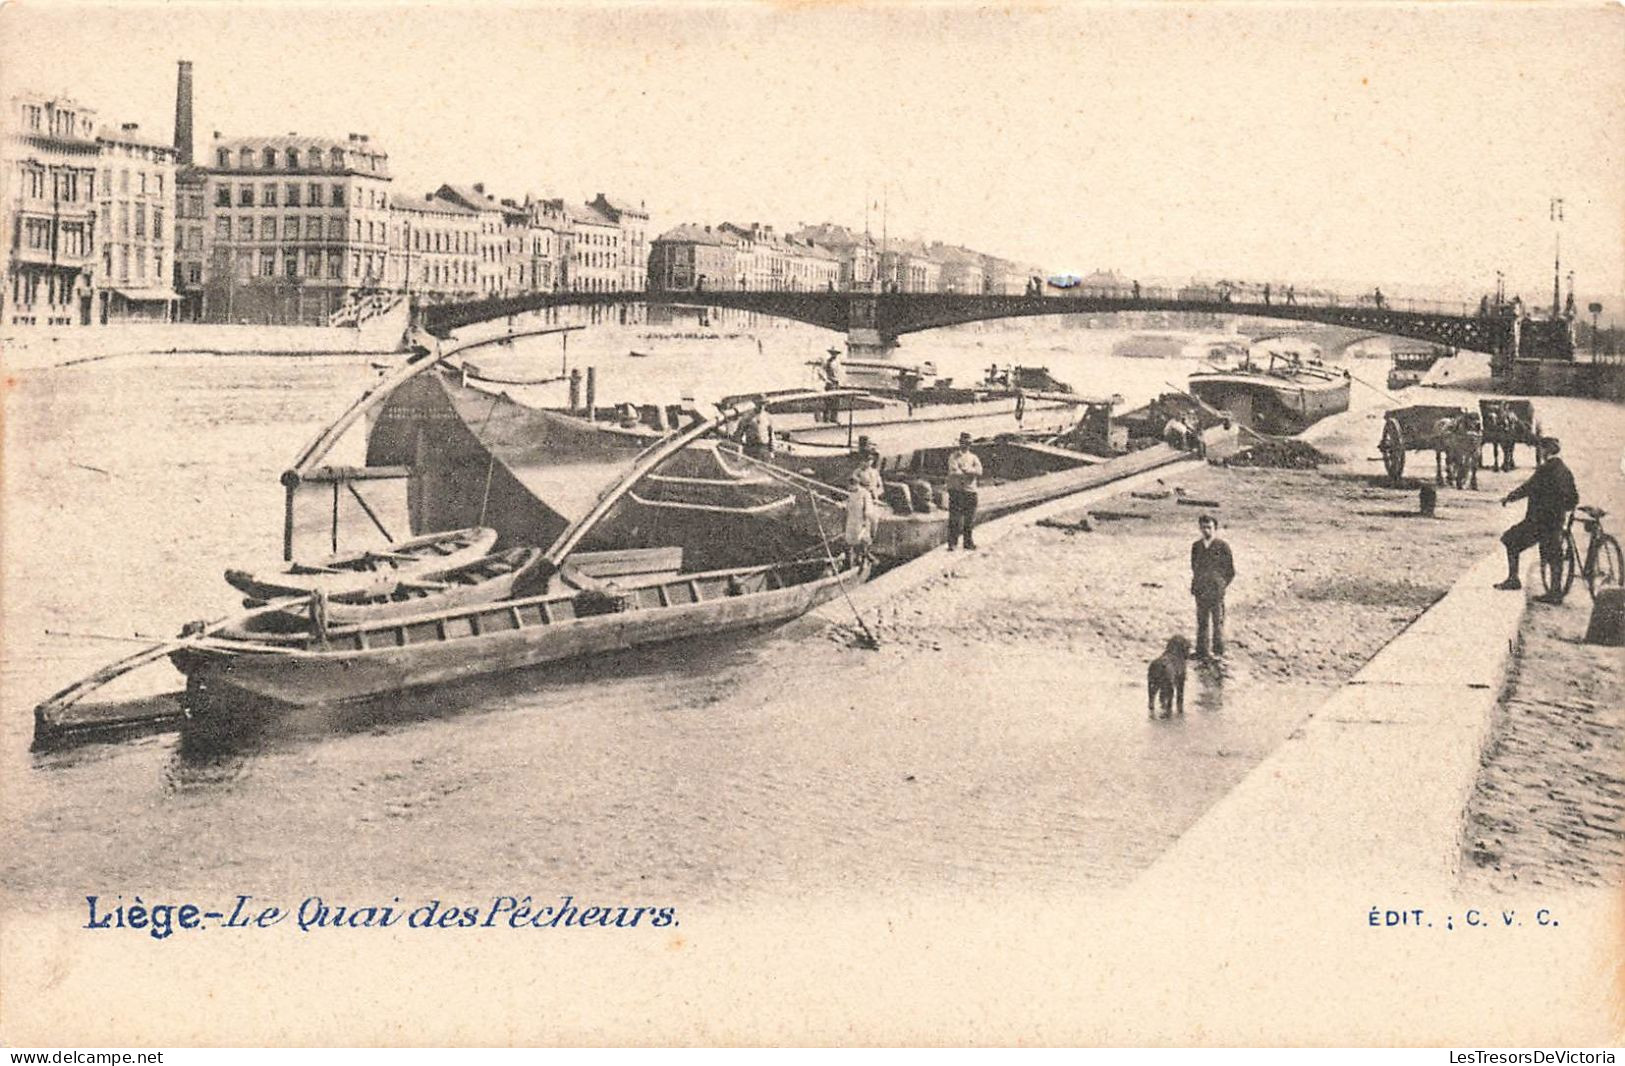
{"points": [[512, 641], [1279, 406]]}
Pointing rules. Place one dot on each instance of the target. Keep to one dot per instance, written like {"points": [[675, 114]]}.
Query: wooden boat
{"points": [[369, 571], [1411, 364], [635, 354], [493, 577], [358, 662], [900, 407], [1286, 397], [60, 714]]}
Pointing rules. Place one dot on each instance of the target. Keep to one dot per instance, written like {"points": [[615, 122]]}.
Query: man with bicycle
{"points": [[1551, 494]]}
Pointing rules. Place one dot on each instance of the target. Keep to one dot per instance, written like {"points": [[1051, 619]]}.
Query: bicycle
{"points": [[1604, 563]]}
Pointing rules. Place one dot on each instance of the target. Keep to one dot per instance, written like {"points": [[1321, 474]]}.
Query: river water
{"points": [[690, 773]]}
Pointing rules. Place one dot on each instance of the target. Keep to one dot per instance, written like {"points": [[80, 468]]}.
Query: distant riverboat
{"points": [[1411, 364], [1285, 397]]}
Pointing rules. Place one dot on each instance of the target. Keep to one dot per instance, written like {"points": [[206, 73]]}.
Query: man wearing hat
{"points": [[831, 373], [963, 470], [1551, 494]]}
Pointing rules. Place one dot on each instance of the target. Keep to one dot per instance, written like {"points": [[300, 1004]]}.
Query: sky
{"points": [[1376, 144]]}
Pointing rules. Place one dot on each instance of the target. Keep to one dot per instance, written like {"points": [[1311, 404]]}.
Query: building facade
{"points": [[437, 246], [191, 220], [634, 244], [857, 257], [550, 244], [693, 258], [297, 227], [962, 270], [907, 266], [491, 219], [135, 227], [595, 251], [49, 167]]}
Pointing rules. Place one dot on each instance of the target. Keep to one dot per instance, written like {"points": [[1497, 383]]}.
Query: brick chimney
{"points": [[183, 114]]}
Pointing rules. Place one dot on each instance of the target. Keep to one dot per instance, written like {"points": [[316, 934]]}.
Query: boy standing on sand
{"points": [[1212, 570]]}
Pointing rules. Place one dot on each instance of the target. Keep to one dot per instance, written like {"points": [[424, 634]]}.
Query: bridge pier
{"points": [[862, 343]]}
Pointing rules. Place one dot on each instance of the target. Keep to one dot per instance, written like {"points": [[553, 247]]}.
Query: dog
{"points": [[1165, 678]]}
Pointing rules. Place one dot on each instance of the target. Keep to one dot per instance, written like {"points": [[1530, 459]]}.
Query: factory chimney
{"points": [[183, 114]]}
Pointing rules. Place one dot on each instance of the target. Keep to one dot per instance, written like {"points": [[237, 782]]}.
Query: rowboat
{"points": [[358, 662], [370, 571], [493, 577]]}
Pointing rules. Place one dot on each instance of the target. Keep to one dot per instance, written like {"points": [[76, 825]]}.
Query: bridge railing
{"points": [[1254, 296]]}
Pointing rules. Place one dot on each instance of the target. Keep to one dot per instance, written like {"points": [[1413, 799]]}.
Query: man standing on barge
{"points": [[963, 471]]}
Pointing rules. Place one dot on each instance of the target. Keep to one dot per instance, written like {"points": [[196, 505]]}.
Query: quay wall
{"points": [[32, 347]]}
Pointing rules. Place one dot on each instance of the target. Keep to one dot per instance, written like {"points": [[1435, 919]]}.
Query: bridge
{"points": [[874, 321]]}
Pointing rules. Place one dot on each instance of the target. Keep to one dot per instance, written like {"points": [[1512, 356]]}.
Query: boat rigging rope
{"points": [[1387, 397], [868, 640]]}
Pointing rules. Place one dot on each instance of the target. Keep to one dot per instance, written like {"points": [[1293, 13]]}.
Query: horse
{"points": [[1457, 450], [1503, 429]]}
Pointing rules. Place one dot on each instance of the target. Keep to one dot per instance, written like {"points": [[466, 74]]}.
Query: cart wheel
{"points": [[1393, 450]]}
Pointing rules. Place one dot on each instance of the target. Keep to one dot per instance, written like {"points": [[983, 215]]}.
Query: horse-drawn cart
{"points": [[1447, 432], [1507, 423]]}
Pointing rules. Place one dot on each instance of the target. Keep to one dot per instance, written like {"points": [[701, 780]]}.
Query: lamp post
{"points": [[1595, 309], [1557, 256]]}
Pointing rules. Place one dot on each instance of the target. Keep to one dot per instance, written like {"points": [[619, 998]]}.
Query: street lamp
{"points": [[1595, 309]]}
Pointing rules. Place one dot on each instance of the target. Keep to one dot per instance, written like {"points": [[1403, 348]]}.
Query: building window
{"points": [[268, 158], [194, 273], [245, 159], [293, 159], [355, 264], [290, 264], [336, 157], [335, 265], [245, 196], [245, 228], [141, 177], [222, 159], [314, 192], [268, 264], [141, 220], [313, 228], [158, 180], [123, 263], [338, 196], [268, 194], [290, 228], [140, 267], [293, 195], [222, 196], [267, 229], [335, 229], [313, 264], [222, 228], [123, 220]]}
